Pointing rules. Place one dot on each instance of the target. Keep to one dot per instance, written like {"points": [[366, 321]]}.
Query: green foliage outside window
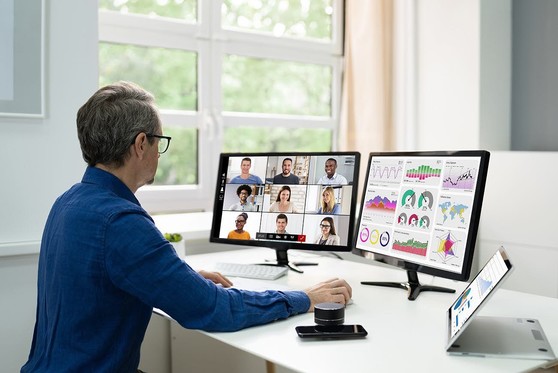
{"points": [[249, 139], [268, 86], [181, 9], [179, 165], [291, 18], [169, 74], [251, 85]]}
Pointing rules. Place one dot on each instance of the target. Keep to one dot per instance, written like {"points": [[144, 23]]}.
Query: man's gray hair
{"points": [[110, 120]]}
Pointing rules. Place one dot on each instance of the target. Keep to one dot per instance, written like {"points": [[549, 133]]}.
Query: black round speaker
{"points": [[329, 314]]}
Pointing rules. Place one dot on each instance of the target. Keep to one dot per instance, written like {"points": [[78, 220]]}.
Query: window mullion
{"points": [[209, 92]]}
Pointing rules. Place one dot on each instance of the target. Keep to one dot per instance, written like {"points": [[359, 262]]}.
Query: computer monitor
{"points": [[420, 211], [286, 201]]}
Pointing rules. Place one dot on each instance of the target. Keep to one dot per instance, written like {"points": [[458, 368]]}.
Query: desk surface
{"points": [[403, 335]]}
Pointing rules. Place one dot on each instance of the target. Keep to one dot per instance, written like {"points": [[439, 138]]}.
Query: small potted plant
{"points": [[176, 241]]}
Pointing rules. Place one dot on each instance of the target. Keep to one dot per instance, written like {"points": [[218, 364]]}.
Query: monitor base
{"points": [[413, 286], [283, 261], [293, 266]]}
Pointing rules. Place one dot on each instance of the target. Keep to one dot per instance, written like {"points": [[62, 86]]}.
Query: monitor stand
{"points": [[413, 286], [283, 261]]}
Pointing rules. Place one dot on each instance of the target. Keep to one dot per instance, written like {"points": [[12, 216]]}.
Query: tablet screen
{"points": [[484, 284]]}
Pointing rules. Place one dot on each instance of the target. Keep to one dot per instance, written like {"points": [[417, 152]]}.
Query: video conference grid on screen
{"points": [[300, 198], [419, 209]]}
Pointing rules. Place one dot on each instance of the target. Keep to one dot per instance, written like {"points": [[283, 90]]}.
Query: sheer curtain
{"points": [[366, 107]]}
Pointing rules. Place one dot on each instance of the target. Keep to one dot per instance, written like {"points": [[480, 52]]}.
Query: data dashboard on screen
{"points": [[286, 200], [421, 210]]}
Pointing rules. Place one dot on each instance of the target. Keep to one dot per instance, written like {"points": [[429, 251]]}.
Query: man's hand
{"points": [[217, 278], [335, 290]]}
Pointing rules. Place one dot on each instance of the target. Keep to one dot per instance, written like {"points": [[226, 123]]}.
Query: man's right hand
{"points": [[334, 290]]}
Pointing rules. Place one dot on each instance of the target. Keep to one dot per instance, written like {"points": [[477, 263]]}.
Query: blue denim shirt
{"points": [[104, 265]]}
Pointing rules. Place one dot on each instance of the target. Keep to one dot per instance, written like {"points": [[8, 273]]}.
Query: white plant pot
{"points": [[180, 249]]}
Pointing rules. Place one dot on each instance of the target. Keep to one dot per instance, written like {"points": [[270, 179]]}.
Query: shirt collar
{"points": [[104, 179]]}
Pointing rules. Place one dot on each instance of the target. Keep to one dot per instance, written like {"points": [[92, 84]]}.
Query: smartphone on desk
{"points": [[331, 332]]}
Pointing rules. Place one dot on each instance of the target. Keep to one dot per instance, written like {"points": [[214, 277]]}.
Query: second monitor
{"points": [[420, 211], [286, 201]]}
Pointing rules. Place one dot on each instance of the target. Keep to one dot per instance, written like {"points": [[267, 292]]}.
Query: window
{"points": [[227, 75]]}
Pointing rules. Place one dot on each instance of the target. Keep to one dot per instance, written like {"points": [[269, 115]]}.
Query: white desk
{"points": [[404, 336]]}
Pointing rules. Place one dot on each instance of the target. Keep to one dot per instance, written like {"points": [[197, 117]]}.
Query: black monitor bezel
{"points": [[279, 245], [474, 223]]}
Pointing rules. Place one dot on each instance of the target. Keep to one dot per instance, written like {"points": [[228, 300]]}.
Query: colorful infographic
{"points": [[448, 247], [375, 236], [454, 211], [416, 208], [410, 243], [461, 175], [380, 205], [386, 171], [423, 171], [419, 208]]}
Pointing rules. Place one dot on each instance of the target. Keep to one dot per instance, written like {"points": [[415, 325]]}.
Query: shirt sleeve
{"points": [[141, 262]]}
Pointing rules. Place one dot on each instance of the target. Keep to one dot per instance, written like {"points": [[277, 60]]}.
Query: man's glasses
{"points": [[164, 142], [325, 225]]}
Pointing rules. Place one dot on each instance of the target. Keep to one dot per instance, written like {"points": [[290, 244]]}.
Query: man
{"points": [[332, 177], [243, 192], [286, 177], [103, 264], [281, 222], [245, 176]]}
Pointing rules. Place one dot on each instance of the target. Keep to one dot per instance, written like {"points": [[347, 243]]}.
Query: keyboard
{"points": [[257, 271]]}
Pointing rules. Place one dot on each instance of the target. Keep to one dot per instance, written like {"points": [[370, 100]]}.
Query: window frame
{"points": [[212, 43]]}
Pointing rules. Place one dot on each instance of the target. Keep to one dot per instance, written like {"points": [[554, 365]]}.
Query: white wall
{"points": [[41, 159], [519, 212], [18, 280], [448, 64], [464, 74]]}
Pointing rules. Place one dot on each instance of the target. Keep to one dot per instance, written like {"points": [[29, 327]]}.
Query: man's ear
{"points": [[139, 145]]}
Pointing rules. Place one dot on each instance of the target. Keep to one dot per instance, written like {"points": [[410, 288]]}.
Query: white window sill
{"points": [[192, 225]]}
